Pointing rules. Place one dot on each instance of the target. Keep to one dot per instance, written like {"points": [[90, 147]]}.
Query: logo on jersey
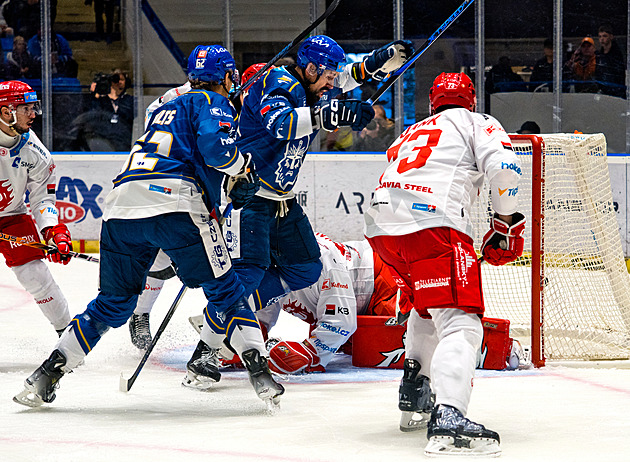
{"points": [[6, 194], [507, 146], [225, 125], [51, 188], [300, 311], [289, 166], [335, 329], [515, 167], [4, 152], [328, 284], [322, 346], [160, 189], [431, 283], [424, 207]]}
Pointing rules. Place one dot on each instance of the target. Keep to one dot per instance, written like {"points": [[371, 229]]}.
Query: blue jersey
{"points": [[179, 162], [275, 127]]}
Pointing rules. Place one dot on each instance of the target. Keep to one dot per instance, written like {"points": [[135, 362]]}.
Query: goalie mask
{"points": [[322, 51], [452, 89], [14, 94], [209, 63]]}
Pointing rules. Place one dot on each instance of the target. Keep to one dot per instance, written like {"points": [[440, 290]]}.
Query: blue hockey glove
{"points": [[242, 187], [387, 59], [335, 113]]}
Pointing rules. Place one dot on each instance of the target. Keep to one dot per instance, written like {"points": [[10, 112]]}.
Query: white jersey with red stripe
{"points": [[26, 165], [435, 170], [330, 306]]}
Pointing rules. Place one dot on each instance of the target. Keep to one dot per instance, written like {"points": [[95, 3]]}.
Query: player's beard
{"points": [[20, 130]]}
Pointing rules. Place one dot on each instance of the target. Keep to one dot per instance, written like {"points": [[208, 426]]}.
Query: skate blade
{"points": [[471, 447], [197, 382], [196, 322], [28, 398], [273, 404], [411, 421]]}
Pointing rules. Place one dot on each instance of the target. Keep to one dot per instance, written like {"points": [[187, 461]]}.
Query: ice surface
{"points": [[568, 411]]}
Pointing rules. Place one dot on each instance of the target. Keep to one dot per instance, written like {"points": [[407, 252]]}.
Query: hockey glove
{"points": [[58, 236], [241, 187], [335, 113], [387, 59], [288, 357], [503, 243]]}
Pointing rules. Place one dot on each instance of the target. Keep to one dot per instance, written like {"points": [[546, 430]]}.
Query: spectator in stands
{"points": [[23, 16], [502, 78], [19, 63], [581, 67], [529, 128], [543, 69], [378, 135], [5, 30], [104, 7], [62, 62], [610, 69], [115, 110]]}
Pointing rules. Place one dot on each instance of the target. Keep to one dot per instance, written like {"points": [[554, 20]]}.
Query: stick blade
{"points": [[123, 384]]}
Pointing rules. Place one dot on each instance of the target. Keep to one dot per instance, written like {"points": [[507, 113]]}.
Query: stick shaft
{"points": [[47, 248]]}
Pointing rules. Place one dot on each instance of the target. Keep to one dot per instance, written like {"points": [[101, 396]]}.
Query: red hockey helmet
{"points": [[452, 89], [14, 93], [251, 70]]}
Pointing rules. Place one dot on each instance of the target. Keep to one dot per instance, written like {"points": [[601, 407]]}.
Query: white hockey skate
{"points": [[202, 368], [40, 386], [415, 398], [260, 377], [450, 433]]}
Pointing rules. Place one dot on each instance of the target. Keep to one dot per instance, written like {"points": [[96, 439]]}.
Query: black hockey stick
{"points": [[126, 384], [412, 59], [286, 49], [47, 248]]}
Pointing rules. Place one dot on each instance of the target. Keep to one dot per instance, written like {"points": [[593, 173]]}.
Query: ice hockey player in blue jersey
{"points": [[282, 113], [164, 198]]}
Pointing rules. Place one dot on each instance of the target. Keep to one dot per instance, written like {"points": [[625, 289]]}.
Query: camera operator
{"points": [[114, 109]]}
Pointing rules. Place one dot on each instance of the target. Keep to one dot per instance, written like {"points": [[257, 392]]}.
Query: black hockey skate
{"points": [[449, 432], [265, 386], [203, 367], [415, 399], [140, 331], [40, 386]]}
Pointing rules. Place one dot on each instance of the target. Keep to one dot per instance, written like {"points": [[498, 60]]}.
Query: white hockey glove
{"points": [[387, 59], [504, 243], [335, 113], [240, 188]]}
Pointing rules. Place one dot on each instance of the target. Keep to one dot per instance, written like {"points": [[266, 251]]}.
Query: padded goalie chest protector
{"points": [[378, 342], [496, 345]]}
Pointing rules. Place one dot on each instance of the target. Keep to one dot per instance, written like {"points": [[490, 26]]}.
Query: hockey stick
{"points": [[286, 49], [47, 248], [126, 384], [412, 59]]}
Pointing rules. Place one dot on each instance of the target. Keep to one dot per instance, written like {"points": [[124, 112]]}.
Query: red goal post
{"points": [[568, 296]]}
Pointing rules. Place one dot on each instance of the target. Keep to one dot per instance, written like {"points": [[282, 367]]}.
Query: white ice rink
{"points": [[573, 412]]}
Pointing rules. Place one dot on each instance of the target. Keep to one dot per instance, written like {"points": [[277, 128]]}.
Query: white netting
{"points": [[586, 310]]}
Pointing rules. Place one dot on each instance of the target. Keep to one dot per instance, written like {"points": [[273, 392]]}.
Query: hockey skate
{"points": [[450, 433], [40, 386], [203, 368], [260, 377], [139, 330], [415, 398]]}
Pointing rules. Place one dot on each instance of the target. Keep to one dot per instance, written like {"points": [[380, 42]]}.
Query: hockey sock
{"points": [[36, 279], [421, 341], [149, 295]]}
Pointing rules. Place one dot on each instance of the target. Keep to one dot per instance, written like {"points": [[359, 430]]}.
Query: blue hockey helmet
{"points": [[322, 51], [209, 63]]}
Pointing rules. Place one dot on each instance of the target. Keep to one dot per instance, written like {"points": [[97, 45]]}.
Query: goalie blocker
{"points": [[380, 342]]}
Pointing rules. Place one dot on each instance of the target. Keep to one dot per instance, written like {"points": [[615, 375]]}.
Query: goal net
{"points": [[570, 291]]}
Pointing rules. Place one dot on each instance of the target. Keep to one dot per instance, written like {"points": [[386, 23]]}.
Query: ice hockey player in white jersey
{"points": [[353, 282], [418, 222], [27, 166]]}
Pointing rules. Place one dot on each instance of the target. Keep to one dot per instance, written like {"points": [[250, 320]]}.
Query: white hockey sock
{"points": [[36, 279], [69, 346], [210, 336], [455, 357], [149, 295], [245, 338], [421, 341]]}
